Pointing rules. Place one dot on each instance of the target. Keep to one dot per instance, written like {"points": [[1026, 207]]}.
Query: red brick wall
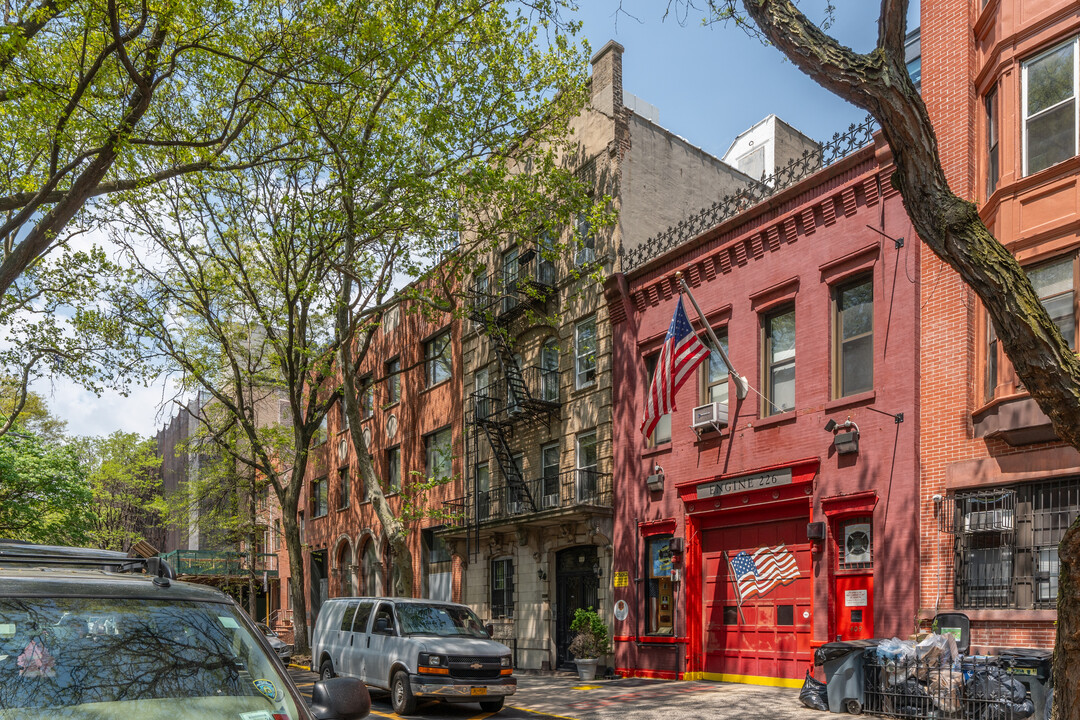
{"points": [[806, 237]]}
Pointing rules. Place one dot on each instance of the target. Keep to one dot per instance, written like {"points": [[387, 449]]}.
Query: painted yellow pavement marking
{"points": [[586, 687], [481, 716], [386, 715], [541, 712]]}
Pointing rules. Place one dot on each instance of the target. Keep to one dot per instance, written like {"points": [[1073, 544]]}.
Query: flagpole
{"points": [[734, 586], [742, 385]]}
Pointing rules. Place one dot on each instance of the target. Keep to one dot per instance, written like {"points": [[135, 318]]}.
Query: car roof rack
{"points": [[17, 552]]}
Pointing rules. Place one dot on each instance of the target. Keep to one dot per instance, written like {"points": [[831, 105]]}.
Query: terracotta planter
{"points": [[586, 668]]}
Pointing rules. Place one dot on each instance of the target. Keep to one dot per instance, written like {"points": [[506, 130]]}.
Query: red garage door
{"points": [[757, 603]]}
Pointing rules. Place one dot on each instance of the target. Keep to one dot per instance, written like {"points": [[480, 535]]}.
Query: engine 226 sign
{"points": [[757, 481]]}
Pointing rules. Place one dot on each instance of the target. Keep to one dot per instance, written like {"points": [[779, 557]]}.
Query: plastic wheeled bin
{"points": [[1032, 667], [844, 673]]}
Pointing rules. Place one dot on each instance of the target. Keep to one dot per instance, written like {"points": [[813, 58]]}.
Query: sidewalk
{"points": [[640, 699]]}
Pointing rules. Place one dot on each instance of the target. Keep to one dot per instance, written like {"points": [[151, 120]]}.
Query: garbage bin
{"points": [[844, 674], [1032, 667]]}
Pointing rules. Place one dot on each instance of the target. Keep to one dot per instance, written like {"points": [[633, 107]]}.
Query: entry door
{"points": [[754, 627], [577, 588]]}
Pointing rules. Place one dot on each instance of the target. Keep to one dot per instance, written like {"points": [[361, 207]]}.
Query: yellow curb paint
{"points": [[541, 712], [746, 679], [300, 667], [586, 687]]}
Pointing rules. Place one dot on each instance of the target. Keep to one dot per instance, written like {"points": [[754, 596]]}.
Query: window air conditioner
{"points": [[551, 501], [516, 507], [996, 520], [712, 416]]}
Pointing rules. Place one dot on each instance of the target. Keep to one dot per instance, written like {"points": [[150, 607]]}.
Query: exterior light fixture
{"points": [[540, 574], [846, 441], [597, 570], [655, 482]]}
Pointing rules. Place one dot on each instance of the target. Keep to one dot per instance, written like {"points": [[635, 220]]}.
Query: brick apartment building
{"points": [[817, 306], [998, 488], [412, 426], [536, 535]]}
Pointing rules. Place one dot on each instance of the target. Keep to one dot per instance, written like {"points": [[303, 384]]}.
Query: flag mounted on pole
{"points": [[679, 357]]}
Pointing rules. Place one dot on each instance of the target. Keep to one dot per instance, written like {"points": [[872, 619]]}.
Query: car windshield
{"points": [[445, 620], [265, 630], [120, 658]]}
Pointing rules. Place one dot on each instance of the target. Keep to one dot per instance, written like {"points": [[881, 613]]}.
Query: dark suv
{"points": [[95, 634]]}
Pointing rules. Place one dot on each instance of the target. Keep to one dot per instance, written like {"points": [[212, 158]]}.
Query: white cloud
{"points": [[87, 414]]}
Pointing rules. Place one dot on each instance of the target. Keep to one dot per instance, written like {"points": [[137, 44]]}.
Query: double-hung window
{"points": [[502, 588], [367, 397], [345, 489], [714, 375], [1050, 107], [585, 352], [1007, 541], [438, 448], [393, 381], [587, 481], [990, 103], [853, 333], [319, 499], [437, 359], [1054, 283], [779, 366], [393, 469], [662, 432]]}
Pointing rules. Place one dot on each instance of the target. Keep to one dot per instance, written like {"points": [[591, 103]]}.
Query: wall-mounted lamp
{"points": [[847, 441], [655, 482], [540, 574], [597, 570]]}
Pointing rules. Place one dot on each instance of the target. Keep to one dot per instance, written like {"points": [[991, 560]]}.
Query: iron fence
{"points": [[968, 688], [568, 489], [858, 135]]}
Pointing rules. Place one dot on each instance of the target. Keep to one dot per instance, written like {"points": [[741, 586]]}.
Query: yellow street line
{"points": [[541, 712], [481, 716], [386, 715], [300, 667]]}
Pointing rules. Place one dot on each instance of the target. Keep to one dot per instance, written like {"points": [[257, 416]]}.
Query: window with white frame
{"points": [[549, 468], [585, 352], [586, 239], [1050, 107], [587, 461]]}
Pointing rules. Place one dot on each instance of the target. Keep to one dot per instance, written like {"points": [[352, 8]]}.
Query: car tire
{"points": [[326, 670], [401, 696], [492, 706]]}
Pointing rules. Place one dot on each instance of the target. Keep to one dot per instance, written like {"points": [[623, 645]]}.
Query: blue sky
{"points": [[709, 83]]}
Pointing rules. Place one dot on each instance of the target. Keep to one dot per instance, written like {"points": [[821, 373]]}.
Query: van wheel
{"points": [[326, 670], [401, 696], [492, 705]]}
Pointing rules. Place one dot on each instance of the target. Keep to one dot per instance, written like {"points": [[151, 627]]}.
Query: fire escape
{"points": [[502, 305]]}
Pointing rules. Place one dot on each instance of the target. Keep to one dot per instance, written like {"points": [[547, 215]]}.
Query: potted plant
{"points": [[590, 641]]}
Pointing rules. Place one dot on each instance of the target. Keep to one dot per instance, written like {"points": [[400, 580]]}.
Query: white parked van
{"points": [[413, 648]]}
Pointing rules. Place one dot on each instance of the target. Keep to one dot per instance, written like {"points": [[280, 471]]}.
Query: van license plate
{"points": [[479, 691]]}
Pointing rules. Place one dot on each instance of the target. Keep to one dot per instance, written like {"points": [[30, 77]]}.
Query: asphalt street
{"points": [[567, 698]]}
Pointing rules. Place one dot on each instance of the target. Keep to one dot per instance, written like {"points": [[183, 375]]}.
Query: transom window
{"points": [[779, 335], [1049, 102], [853, 369]]}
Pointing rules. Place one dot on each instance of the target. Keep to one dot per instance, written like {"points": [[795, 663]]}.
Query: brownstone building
{"points": [[1000, 78]]}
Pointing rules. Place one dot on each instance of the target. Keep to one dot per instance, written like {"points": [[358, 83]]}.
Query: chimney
{"points": [[607, 78]]}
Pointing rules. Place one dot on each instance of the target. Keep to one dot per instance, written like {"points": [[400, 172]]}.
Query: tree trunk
{"points": [[252, 605], [291, 531], [1067, 649]]}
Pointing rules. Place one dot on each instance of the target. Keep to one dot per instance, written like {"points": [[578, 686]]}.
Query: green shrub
{"points": [[591, 639]]}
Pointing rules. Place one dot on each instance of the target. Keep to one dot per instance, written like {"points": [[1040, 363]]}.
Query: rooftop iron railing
{"points": [[570, 489]]}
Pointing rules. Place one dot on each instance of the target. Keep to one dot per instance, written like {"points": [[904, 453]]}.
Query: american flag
{"points": [[766, 568], [681, 354]]}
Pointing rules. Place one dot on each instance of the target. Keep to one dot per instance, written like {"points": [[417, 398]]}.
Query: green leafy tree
{"points": [[45, 496], [262, 285], [125, 479]]}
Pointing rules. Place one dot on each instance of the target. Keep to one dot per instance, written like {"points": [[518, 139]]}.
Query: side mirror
{"points": [[382, 626], [490, 630], [340, 698]]}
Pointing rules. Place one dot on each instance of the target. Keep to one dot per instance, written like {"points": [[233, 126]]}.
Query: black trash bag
{"points": [[908, 699], [994, 694], [1049, 707], [813, 694]]}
